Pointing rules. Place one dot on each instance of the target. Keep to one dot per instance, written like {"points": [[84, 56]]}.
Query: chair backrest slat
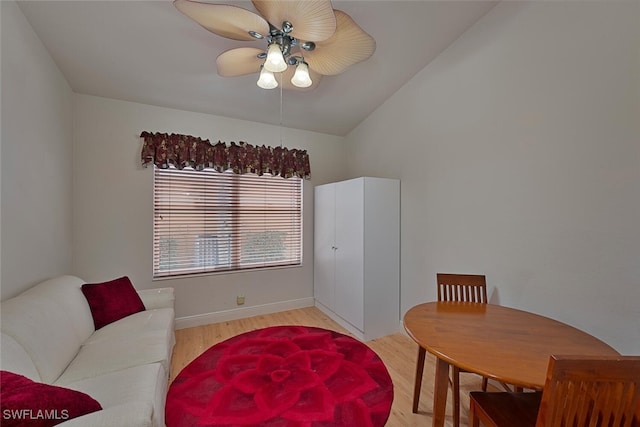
{"points": [[462, 287], [591, 392]]}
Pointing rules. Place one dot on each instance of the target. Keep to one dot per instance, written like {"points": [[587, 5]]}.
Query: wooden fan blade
{"points": [[349, 45], [238, 62], [228, 21], [312, 20], [288, 74]]}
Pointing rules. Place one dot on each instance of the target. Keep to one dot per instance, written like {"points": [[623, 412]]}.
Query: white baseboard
{"points": [[241, 313]]}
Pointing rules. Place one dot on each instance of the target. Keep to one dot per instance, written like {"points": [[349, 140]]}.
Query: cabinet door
{"points": [[323, 244], [349, 224]]}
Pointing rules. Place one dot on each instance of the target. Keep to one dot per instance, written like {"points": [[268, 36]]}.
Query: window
{"points": [[207, 221]]}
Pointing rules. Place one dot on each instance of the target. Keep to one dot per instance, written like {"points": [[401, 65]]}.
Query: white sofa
{"points": [[48, 335]]}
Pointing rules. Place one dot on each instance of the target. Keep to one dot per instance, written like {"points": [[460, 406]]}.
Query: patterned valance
{"points": [[182, 151]]}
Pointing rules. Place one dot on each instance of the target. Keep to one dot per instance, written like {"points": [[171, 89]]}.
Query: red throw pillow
{"points": [[28, 403], [111, 301]]}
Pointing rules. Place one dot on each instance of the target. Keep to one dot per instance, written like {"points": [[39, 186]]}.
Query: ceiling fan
{"points": [[306, 39]]}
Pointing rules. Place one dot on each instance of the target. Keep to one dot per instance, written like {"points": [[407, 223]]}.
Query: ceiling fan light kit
{"points": [[306, 34]]}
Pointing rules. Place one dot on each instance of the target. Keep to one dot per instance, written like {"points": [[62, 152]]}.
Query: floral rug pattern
{"points": [[293, 376]]}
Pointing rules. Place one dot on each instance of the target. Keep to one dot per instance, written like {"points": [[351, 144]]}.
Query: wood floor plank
{"points": [[398, 351]]}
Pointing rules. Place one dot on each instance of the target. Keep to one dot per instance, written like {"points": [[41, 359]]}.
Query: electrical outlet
{"points": [[240, 299]]}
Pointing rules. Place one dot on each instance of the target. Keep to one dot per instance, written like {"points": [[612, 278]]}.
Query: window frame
{"points": [[290, 221]]}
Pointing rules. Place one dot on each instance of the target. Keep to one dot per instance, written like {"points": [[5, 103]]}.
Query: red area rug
{"points": [[291, 376]]}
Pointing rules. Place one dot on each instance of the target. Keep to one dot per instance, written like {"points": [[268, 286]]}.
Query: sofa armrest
{"points": [[135, 414], [157, 298]]}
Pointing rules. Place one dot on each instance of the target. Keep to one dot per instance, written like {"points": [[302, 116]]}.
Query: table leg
{"points": [[440, 392], [418, 384]]}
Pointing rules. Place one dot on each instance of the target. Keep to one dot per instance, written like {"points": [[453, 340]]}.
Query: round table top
{"points": [[506, 344]]}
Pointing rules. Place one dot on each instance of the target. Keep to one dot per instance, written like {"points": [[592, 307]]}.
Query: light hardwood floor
{"points": [[398, 352]]}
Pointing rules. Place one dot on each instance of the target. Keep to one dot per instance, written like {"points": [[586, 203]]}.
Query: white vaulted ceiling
{"points": [[148, 52]]}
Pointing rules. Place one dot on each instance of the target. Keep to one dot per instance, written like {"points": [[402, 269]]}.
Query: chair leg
{"points": [[474, 421], [456, 396], [418, 381]]}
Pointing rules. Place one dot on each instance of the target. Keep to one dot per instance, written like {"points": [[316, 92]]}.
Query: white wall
{"points": [[36, 159], [113, 204], [519, 154]]}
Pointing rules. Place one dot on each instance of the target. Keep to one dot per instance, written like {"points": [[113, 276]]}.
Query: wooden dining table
{"points": [[500, 343]]}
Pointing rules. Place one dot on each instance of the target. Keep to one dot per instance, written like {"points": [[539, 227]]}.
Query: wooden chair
{"points": [[464, 288], [579, 391]]}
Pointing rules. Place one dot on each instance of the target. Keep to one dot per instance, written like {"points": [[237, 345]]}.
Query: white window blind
{"points": [[207, 221]]}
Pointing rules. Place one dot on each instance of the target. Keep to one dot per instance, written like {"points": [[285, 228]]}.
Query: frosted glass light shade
{"points": [[301, 78], [267, 80], [275, 61]]}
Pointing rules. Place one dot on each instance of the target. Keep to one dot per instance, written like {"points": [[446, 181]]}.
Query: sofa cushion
{"points": [[145, 384], [50, 321], [112, 300], [128, 414], [26, 402], [145, 337], [136, 324]]}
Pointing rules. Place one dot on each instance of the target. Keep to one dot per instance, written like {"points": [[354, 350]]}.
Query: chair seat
{"points": [[507, 409]]}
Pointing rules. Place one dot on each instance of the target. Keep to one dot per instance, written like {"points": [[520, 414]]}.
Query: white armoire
{"points": [[356, 275]]}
